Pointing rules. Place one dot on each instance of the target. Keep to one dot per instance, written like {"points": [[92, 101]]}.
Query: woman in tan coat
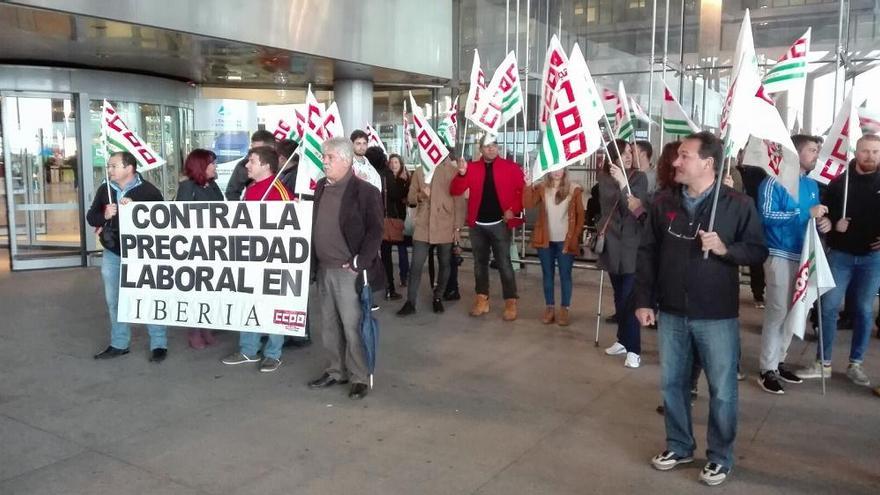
{"points": [[439, 217], [556, 236]]}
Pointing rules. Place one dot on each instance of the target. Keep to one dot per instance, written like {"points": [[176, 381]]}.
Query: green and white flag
{"points": [[572, 131], [447, 129], [624, 122], [505, 97], [118, 137], [675, 120], [609, 101], [812, 280], [790, 71], [869, 121], [840, 145], [477, 88], [431, 148], [332, 123], [639, 113], [311, 168], [554, 62]]}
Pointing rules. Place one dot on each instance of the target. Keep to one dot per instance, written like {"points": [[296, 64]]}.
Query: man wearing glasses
{"points": [[698, 298]]}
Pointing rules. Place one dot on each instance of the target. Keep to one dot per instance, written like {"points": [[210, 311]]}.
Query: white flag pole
{"points": [[619, 155], [282, 169], [819, 319], [845, 191], [714, 205], [104, 149], [599, 307]]}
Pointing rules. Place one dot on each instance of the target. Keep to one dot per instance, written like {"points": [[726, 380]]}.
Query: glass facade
{"points": [[687, 43]]}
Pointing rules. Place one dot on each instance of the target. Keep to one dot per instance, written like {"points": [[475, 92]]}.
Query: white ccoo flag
{"points": [[331, 124], [554, 62], [609, 101], [373, 138], [310, 168], [431, 148], [505, 98], [812, 280], [838, 148], [477, 87], [675, 121], [790, 71], [572, 131], [118, 137], [623, 128], [447, 129]]}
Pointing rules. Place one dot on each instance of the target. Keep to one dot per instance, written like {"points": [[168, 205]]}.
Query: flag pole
{"points": [[282, 169], [845, 191], [104, 149], [714, 205], [819, 319], [614, 142], [599, 307]]}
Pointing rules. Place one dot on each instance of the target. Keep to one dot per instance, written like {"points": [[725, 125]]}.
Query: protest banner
{"points": [[241, 266]]}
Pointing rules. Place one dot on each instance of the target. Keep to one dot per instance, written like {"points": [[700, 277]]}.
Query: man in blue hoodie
{"points": [[785, 221]]}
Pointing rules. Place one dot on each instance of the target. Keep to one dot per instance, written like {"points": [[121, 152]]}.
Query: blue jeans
{"points": [[549, 257], [862, 275], [249, 344], [716, 343], [403, 260], [120, 333], [629, 332]]}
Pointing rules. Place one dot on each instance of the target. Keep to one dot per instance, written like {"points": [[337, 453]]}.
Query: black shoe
{"points": [[391, 295], [297, 342], [611, 319], [403, 282], [407, 309], [158, 355], [111, 352], [326, 381], [661, 410], [786, 374], [451, 295], [768, 381], [438, 306], [493, 265], [358, 391]]}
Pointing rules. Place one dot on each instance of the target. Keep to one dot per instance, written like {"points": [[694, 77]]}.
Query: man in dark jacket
{"points": [[346, 235], [125, 185], [239, 179], [698, 298]]}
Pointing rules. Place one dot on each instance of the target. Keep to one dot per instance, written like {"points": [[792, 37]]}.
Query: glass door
{"points": [[40, 171]]}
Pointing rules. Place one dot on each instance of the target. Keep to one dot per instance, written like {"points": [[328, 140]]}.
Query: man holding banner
{"points": [[124, 185], [262, 165], [853, 200], [785, 220], [346, 237], [494, 209]]}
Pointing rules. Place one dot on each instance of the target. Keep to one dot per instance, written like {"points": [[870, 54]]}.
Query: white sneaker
{"points": [[632, 360], [616, 350], [857, 375], [814, 370]]}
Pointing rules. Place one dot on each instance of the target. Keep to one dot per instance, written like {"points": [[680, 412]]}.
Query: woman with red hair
{"points": [[201, 170]]}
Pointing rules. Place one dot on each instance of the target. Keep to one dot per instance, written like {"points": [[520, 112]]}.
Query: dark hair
{"points": [[402, 170], [127, 159], [196, 165], [376, 157], [665, 171], [612, 155], [357, 134], [262, 136], [267, 155], [646, 146], [285, 148], [710, 147], [800, 140]]}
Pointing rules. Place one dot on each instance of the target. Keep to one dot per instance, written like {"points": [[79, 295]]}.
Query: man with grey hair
{"points": [[346, 236]]}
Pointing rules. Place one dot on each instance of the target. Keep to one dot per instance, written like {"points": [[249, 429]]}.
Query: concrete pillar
{"points": [[355, 100]]}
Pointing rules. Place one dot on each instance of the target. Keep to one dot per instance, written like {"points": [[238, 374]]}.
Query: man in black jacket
{"points": [[346, 235], [698, 298], [239, 179], [126, 185]]}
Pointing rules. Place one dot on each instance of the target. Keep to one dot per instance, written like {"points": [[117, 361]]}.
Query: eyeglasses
{"points": [[683, 236]]}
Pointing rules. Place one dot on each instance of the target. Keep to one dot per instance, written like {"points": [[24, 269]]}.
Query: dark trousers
{"points": [[496, 238], [628, 330], [756, 281], [452, 282], [403, 262], [420, 252]]}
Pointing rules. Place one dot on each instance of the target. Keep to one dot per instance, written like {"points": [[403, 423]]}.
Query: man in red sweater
{"points": [[494, 209], [262, 165]]}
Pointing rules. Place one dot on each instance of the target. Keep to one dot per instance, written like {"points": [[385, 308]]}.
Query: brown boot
{"points": [[549, 315], [562, 317], [509, 310], [481, 305]]}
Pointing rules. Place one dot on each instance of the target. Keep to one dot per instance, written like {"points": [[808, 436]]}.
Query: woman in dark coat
{"points": [[200, 169]]}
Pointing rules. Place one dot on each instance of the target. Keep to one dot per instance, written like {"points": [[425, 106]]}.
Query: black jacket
{"points": [[362, 226], [110, 228], [238, 181], [671, 270], [863, 205], [190, 191], [395, 190]]}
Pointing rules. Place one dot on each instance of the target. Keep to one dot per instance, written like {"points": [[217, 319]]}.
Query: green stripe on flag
{"points": [[315, 159], [509, 105], [115, 146], [549, 142], [787, 66], [509, 95], [785, 77], [312, 141]]}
